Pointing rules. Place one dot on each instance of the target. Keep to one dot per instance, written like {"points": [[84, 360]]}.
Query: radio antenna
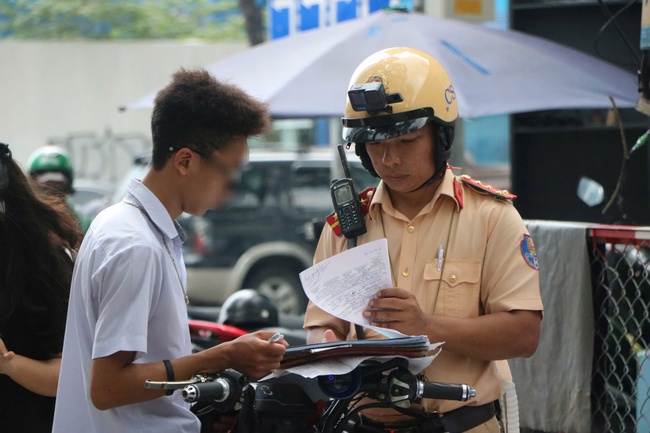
{"points": [[344, 161]]}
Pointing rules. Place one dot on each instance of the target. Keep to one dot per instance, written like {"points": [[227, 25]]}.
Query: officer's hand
{"points": [[397, 309], [6, 357], [330, 336]]}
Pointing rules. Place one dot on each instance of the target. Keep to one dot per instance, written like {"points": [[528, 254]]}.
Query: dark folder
{"points": [[410, 347]]}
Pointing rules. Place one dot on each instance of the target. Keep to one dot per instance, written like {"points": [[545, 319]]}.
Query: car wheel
{"points": [[282, 285]]}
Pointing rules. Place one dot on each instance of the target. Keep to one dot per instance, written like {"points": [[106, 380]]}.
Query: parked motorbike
{"points": [[278, 406], [244, 311], [292, 403]]}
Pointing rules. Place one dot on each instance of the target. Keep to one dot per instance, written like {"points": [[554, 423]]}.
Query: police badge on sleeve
{"points": [[528, 252]]}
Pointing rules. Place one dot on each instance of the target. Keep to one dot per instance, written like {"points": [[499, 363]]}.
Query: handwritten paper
{"points": [[342, 285]]}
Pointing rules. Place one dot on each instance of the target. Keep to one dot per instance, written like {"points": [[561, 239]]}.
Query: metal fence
{"points": [[620, 261]]}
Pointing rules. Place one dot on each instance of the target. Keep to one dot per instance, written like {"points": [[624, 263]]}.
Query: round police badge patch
{"points": [[528, 252]]}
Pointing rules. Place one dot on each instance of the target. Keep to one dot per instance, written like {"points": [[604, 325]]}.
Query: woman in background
{"points": [[38, 239]]}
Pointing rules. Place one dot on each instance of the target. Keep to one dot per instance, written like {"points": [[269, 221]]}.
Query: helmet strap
{"points": [[439, 173]]}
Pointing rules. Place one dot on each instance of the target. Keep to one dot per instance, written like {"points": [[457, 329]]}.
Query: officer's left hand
{"points": [[396, 309]]}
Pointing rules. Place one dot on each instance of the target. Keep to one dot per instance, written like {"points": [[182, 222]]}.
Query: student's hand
{"points": [[5, 358], [397, 309], [253, 354]]}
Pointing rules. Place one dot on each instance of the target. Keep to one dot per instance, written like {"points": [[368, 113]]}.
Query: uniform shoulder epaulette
{"points": [[479, 186], [365, 197]]}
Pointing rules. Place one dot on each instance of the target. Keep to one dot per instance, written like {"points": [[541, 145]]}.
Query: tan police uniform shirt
{"points": [[489, 266]]}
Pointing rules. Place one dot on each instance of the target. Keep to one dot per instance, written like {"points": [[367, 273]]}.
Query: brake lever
{"points": [[175, 385]]}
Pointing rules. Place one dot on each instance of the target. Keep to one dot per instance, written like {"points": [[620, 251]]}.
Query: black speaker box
{"points": [[547, 166]]}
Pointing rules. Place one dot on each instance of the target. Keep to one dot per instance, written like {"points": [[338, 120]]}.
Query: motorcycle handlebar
{"points": [[446, 391], [397, 387], [218, 390], [223, 390]]}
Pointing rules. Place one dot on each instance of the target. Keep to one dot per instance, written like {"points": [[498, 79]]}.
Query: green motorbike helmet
{"points": [[50, 165]]}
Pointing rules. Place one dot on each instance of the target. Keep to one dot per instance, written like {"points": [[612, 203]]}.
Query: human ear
{"points": [[182, 160]]}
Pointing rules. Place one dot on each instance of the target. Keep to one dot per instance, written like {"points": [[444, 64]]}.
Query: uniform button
{"points": [[406, 272], [453, 278], [411, 229]]}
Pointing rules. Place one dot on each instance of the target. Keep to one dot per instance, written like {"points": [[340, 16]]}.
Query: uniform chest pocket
{"points": [[459, 283]]}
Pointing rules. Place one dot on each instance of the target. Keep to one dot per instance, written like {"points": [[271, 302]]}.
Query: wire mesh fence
{"points": [[620, 396]]}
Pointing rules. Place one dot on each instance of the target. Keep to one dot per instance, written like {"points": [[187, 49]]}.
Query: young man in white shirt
{"points": [[127, 318]]}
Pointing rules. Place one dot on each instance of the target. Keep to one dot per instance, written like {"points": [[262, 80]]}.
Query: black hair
{"points": [[197, 111], [38, 236]]}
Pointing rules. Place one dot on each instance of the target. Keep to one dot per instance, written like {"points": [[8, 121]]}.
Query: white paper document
{"points": [[344, 284]]}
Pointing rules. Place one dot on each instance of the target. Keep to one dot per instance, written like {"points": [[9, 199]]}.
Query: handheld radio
{"points": [[346, 202]]}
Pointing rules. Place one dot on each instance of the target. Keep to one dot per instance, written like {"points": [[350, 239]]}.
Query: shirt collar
{"points": [[382, 199], [154, 208]]}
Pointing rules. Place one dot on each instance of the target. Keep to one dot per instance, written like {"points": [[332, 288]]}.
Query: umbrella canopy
{"points": [[493, 71]]}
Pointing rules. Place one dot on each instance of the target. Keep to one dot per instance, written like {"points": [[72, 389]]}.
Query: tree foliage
{"points": [[116, 19]]}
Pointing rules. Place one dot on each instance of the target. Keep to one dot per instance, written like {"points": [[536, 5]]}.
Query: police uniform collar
{"points": [[452, 188]]}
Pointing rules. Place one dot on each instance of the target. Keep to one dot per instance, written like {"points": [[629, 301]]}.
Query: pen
{"points": [[276, 337], [441, 256]]}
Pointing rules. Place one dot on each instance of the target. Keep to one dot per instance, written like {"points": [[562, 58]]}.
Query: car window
{"points": [[261, 186], [248, 193], [310, 189]]}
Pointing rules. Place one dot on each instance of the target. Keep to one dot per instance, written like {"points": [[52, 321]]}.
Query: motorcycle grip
{"points": [[217, 390], [448, 391]]}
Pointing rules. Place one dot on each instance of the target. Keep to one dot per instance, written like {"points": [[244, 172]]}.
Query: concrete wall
{"points": [[68, 93]]}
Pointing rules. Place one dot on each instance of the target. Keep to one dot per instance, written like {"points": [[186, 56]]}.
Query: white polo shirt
{"points": [[125, 296]]}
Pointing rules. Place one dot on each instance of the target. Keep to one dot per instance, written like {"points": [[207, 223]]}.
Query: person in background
{"points": [[127, 318], [464, 267], [51, 167], [38, 239]]}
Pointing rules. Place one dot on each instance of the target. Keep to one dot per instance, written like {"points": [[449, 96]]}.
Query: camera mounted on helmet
{"points": [[372, 97]]}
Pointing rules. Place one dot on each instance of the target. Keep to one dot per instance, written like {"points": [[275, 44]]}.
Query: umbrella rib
{"points": [[463, 57]]}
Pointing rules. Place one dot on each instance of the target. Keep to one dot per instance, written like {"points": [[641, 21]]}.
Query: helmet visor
{"points": [[384, 127]]}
